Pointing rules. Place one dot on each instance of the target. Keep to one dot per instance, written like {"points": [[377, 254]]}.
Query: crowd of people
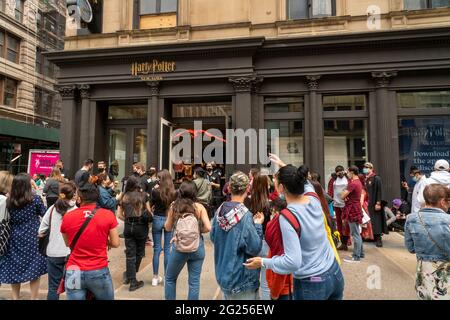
{"points": [[274, 237]]}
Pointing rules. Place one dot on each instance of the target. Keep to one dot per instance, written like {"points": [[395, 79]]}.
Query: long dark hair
{"points": [[323, 201], [293, 179], [259, 201], [133, 195], [185, 202], [68, 190], [166, 188], [20, 194]]}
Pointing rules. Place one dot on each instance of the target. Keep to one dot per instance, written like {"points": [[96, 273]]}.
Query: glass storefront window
{"points": [[140, 146], [423, 141], [201, 110], [344, 103], [127, 112], [424, 99], [118, 150], [290, 144], [283, 104], [345, 143]]}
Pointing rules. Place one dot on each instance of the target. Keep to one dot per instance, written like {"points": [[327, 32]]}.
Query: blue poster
{"points": [[423, 141]]}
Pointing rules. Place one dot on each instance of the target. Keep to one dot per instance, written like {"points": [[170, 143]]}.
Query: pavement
{"points": [[386, 273]]}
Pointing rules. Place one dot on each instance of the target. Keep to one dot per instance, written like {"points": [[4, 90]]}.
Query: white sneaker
{"points": [[156, 281], [352, 260]]}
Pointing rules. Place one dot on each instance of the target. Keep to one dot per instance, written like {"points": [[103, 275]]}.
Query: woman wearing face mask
{"points": [[427, 235], [57, 251], [107, 199]]}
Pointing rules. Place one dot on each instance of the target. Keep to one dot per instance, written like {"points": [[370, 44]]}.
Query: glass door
{"points": [[165, 146], [118, 151]]}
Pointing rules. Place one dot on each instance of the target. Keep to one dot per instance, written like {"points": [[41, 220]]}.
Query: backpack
{"points": [[273, 234], [187, 233]]}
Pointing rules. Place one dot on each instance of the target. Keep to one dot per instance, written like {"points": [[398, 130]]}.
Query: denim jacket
{"points": [[417, 239], [106, 199], [232, 248]]}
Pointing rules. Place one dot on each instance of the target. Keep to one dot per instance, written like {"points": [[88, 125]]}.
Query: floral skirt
{"points": [[433, 280]]}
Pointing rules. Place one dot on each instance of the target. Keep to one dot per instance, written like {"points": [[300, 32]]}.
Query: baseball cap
{"points": [[441, 165], [239, 182]]}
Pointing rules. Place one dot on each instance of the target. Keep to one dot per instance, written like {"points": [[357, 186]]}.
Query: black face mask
{"points": [[101, 169], [341, 175]]}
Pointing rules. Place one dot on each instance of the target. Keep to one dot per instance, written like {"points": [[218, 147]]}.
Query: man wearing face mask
{"points": [[419, 179], [101, 167], [339, 185], [376, 212]]}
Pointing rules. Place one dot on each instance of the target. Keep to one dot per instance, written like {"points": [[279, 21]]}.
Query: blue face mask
{"points": [[366, 171], [282, 196], [415, 179]]}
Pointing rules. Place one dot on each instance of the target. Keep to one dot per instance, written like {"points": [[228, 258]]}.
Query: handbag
{"points": [[62, 284], [43, 241], [5, 233], [366, 217]]}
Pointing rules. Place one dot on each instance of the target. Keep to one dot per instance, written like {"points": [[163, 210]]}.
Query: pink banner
{"points": [[42, 162]]}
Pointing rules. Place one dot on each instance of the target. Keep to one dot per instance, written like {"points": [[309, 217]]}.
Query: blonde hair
{"points": [[6, 180], [56, 175]]}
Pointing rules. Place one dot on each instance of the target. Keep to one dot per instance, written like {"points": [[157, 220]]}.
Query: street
{"points": [[386, 273]]}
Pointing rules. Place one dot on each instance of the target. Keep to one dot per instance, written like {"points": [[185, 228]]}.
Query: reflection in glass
{"points": [[140, 146], [127, 112], [290, 145], [117, 149], [345, 143], [424, 99], [283, 104], [344, 103]]}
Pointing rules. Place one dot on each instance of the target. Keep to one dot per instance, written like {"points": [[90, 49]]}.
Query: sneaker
{"points": [[125, 279], [379, 243], [157, 281], [134, 285], [352, 260], [342, 247]]}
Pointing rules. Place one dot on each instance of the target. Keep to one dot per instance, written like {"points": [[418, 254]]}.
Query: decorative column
{"points": [[314, 157], [67, 140], [387, 136], [242, 112], [85, 123], [153, 124]]}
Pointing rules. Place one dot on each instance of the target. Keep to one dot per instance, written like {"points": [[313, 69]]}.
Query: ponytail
{"points": [[294, 179]]}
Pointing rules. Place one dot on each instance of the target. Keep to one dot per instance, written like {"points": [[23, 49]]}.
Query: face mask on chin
{"points": [[72, 203]]}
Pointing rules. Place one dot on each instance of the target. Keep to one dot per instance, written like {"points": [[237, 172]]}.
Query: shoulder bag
{"points": [[62, 284], [44, 240], [5, 233]]}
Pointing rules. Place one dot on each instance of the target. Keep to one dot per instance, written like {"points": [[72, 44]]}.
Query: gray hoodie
{"points": [[439, 177]]}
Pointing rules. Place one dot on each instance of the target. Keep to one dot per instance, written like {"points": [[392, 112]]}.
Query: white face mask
{"points": [[72, 203]]}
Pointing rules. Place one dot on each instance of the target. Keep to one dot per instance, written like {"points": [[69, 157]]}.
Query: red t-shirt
{"points": [[90, 251], [352, 210], [355, 188]]}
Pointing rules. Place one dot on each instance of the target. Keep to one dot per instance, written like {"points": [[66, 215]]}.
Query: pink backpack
{"points": [[187, 233]]}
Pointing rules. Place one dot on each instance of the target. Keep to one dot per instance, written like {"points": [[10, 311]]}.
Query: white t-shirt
{"points": [[339, 185]]}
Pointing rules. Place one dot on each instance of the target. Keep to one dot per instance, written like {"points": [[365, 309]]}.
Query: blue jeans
{"points": [[55, 267], [327, 286], [157, 232], [177, 261], [246, 295], [264, 287], [358, 250], [98, 282]]}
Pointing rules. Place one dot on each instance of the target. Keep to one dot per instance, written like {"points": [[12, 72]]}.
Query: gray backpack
{"points": [[187, 233]]}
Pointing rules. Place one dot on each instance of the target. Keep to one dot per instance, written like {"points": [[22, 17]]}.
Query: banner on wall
{"points": [[423, 142], [42, 161]]}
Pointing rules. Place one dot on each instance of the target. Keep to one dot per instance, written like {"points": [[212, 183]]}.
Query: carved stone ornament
{"points": [[313, 81], [154, 87], [383, 78], [246, 83], [66, 91], [84, 91]]}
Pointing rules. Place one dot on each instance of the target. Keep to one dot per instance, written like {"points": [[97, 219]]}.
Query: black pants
{"points": [[50, 201], [135, 237]]}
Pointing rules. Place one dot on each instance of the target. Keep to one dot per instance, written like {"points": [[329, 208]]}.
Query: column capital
{"points": [[383, 78], [84, 91], [154, 87], [246, 83], [313, 81], [66, 91]]}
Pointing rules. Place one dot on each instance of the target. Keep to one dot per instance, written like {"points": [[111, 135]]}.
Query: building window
{"points": [[307, 9], [425, 4], [158, 6], [43, 66], [290, 142], [8, 91], [2, 5], [423, 141], [423, 100], [344, 103], [19, 10], [135, 112], [9, 46], [283, 104]]}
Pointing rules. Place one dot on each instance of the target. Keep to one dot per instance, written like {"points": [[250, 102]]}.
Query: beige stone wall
{"points": [[24, 72], [218, 19]]}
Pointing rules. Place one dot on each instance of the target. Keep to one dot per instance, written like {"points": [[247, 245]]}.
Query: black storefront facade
{"points": [[382, 97]]}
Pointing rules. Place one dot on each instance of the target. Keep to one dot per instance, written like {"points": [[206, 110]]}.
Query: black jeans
{"points": [[135, 237], [55, 268]]}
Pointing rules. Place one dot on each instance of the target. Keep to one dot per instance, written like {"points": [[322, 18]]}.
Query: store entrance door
{"points": [[165, 146]]}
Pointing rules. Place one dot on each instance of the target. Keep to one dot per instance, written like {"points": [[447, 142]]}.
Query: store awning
{"points": [[26, 130]]}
